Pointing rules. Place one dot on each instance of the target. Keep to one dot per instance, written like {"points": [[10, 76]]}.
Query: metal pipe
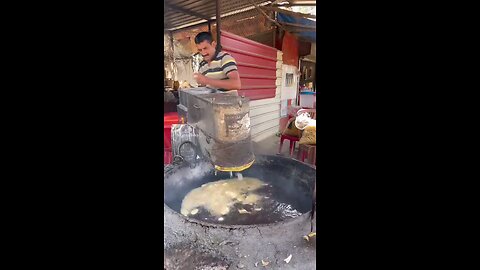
{"points": [[217, 14]]}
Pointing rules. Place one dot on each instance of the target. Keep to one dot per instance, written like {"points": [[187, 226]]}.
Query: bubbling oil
{"points": [[241, 200], [219, 197]]}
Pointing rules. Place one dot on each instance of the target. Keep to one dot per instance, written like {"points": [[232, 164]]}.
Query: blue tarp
{"points": [[310, 35]]}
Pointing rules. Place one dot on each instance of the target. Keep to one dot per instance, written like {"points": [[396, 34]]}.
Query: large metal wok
{"points": [[291, 180]]}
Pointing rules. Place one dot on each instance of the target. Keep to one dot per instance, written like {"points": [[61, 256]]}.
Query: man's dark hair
{"points": [[201, 37]]}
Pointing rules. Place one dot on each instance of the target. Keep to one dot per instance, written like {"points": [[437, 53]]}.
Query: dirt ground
{"points": [[190, 245]]}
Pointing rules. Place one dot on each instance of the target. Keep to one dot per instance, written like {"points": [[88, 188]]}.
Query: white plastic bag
{"points": [[304, 120]]}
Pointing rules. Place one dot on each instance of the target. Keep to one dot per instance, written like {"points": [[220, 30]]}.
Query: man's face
{"points": [[207, 50]]}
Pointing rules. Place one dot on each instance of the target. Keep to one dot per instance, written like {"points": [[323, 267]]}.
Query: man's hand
{"points": [[232, 83], [202, 80]]}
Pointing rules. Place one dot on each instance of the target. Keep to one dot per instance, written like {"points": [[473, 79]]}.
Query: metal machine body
{"points": [[215, 126]]}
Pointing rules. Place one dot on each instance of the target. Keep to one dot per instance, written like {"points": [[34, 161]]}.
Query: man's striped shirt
{"points": [[219, 68]]}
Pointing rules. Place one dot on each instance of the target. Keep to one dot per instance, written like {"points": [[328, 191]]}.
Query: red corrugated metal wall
{"points": [[256, 65]]}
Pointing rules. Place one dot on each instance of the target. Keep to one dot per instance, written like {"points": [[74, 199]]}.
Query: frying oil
{"points": [[241, 200], [219, 197]]}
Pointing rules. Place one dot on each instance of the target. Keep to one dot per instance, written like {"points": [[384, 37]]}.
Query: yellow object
{"points": [[309, 135], [310, 235], [234, 169]]}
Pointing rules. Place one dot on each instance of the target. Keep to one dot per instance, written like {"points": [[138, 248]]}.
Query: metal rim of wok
{"points": [[305, 215]]}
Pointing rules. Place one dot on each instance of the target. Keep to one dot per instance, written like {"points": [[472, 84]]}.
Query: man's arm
{"points": [[232, 83], [229, 67]]}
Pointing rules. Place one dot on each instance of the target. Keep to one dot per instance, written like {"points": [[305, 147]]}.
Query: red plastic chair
{"points": [[292, 140], [307, 150]]}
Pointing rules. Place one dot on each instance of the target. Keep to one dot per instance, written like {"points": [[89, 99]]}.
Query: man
{"points": [[218, 70]]}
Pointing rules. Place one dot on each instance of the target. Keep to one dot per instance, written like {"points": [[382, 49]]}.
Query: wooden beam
{"points": [[274, 37], [185, 11], [295, 2], [266, 16], [293, 5], [301, 38], [219, 20], [294, 14], [298, 30], [300, 25]]}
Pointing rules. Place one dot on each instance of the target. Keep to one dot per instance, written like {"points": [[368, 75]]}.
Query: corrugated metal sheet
{"points": [[264, 118], [265, 113], [256, 65], [177, 11]]}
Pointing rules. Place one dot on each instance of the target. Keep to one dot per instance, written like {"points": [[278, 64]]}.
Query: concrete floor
{"points": [[237, 248], [269, 146]]}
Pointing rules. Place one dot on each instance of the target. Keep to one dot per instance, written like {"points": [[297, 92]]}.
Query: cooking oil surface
{"points": [[241, 201]]}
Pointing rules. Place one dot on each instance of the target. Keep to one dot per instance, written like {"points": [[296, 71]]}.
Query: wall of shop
{"points": [[265, 113], [258, 65], [289, 45]]}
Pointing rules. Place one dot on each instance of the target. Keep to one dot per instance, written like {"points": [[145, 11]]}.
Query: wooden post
{"points": [[219, 46], [274, 36], [274, 30]]}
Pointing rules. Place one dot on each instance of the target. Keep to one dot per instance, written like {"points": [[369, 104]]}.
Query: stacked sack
{"points": [[292, 130], [309, 127]]}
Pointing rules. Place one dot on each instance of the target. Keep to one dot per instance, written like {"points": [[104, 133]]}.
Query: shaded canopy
{"points": [[302, 27]]}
